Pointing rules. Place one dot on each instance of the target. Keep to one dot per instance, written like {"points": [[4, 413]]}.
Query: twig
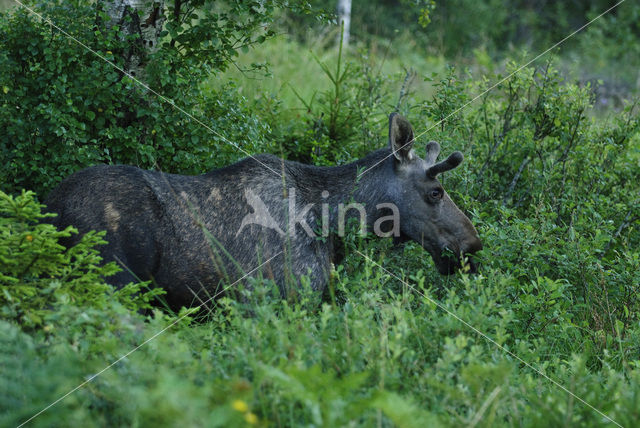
{"points": [[408, 80], [507, 116], [516, 177], [625, 223]]}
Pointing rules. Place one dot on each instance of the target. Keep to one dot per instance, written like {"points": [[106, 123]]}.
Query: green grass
{"points": [[557, 210], [6, 4], [293, 68]]}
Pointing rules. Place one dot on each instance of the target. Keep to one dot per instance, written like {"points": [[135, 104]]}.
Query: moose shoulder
{"points": [[194, 235]]}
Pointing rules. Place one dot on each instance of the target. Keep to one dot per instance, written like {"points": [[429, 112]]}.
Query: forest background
{"points": [[547, 333]]}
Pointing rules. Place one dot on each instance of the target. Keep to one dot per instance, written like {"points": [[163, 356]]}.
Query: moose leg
{"points": [[312, 260]]}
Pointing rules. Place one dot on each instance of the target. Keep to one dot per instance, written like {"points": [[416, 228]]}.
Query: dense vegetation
{"points": [[551, 182]]}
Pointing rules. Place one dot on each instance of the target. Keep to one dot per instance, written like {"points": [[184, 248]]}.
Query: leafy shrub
{"points": [[38, 276], [552, 188], [342, 123], [554, 193], [58, 117]]}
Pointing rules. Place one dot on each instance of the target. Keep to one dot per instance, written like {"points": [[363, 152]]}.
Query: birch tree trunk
{"points": [[142, 17], [344, 19]]}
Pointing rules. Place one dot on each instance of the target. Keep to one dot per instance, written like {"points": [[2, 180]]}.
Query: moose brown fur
{"points": [[192, 234]]}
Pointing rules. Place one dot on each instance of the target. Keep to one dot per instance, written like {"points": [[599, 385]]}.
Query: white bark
{"points": [[344, 19], [146, 20]]}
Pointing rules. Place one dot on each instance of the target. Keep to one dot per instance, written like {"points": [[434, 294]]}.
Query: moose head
{"points": [[428, 215]]}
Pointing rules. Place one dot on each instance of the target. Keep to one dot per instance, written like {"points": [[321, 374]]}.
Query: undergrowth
{"points": [[551, 322]]}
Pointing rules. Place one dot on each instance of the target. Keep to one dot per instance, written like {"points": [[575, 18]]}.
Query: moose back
{"points": [[195, 235]]}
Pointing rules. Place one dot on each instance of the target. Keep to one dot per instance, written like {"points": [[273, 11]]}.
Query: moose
{"points": [[191, 235]]}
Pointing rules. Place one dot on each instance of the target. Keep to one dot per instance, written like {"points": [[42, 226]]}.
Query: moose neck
{"points": [[345, 187]]}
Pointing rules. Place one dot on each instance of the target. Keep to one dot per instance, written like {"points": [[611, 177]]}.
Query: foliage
{"points": [[68, 119], [484, 33], [554, 192], [384, 354], [38, 275], [342, 120], [550, 183]]}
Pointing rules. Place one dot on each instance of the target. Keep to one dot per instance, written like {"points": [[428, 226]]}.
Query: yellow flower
{"points": [[153, 132], [240, 405], [29, 238], [109, 52], [251, 418]]}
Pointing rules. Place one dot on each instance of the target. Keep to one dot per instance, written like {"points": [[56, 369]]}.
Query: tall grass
{"points": [[292, 67], [553, 193]]}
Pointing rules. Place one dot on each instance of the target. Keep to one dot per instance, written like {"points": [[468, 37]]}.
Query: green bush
{"points": [[552, 187], [342, 123], [38, 275], [554, 192], [58, 117]]}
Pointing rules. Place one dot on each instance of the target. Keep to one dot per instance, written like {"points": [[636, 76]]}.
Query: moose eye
{"points": [[436, 194]]}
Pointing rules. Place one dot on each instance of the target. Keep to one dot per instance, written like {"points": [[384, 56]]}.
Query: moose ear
{"points": [[400, 137]]}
